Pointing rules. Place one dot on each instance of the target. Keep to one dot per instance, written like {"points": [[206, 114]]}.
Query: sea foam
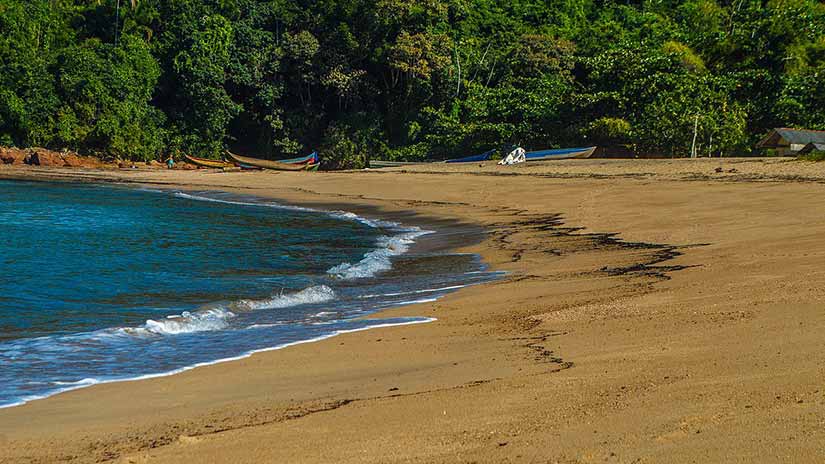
{"points": [[219, 318], [311, 295], [199, 321], [380, 259]]}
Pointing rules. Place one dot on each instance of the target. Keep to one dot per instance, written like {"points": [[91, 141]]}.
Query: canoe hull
{"points": [[309, 159], [266, 164], [562, 153], [472, 159], [208, 163]]}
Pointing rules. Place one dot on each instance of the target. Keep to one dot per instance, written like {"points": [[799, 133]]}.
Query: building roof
{"points": [[782, 137], [812, 147]]}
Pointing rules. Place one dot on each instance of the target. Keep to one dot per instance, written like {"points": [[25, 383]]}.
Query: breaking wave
{"points": [[311, 295], [200, 321], [219, 318], [380, 259]]}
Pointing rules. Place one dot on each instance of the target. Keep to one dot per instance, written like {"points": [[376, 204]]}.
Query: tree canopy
{"points": [[406, 79]]}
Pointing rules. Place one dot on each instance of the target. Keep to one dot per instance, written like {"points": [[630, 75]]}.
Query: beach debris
{"points": [[514, 157]]}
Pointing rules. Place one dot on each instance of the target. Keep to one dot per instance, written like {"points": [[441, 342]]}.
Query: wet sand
{"points": [[655, 311]]}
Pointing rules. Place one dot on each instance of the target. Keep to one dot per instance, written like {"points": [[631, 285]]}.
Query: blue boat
{"points": [[560, 153], [471, 159]]}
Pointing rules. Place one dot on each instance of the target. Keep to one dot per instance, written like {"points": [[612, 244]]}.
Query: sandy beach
{"points": [[653, 311]]}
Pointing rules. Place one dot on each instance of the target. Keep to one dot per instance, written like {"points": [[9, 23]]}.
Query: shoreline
{"points": [[589, 350], [430, 238], [212, 363]]}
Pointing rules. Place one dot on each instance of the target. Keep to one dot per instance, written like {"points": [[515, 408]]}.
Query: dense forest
{"points": [[405, 79]]}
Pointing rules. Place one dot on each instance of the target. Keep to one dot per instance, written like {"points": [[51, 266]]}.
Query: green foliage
{"points": [[814, 156], [417, 56], [685, 55], [105, 94], [345, 147], [609, 131], [405, 79], [802, 97], [205, 109]]}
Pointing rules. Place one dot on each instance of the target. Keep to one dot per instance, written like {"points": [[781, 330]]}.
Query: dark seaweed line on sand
{"points": [[553, 225]]}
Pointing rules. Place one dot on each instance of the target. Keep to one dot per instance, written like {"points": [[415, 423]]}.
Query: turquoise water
{"points": [[104, 284]]}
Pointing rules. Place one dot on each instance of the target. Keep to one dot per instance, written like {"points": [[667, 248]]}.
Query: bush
{"points": [[341, 149], [814, 156], [686, 56], [609, 131]]}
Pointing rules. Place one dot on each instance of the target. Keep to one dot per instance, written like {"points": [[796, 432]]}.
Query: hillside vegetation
{"points": [[405, 79]]}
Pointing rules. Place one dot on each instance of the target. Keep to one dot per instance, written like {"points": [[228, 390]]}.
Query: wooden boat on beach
{"points": [[312, 158], [208, 163], [560, 153], [244, 161]]}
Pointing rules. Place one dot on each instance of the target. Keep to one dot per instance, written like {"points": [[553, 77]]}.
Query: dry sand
{"points": [[694, 334]]}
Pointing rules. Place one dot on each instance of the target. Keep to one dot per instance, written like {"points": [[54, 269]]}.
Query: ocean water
{"points": [[103, 284]]}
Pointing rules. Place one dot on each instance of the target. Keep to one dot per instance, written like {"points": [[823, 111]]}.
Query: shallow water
{"points": [[103, 284]]}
